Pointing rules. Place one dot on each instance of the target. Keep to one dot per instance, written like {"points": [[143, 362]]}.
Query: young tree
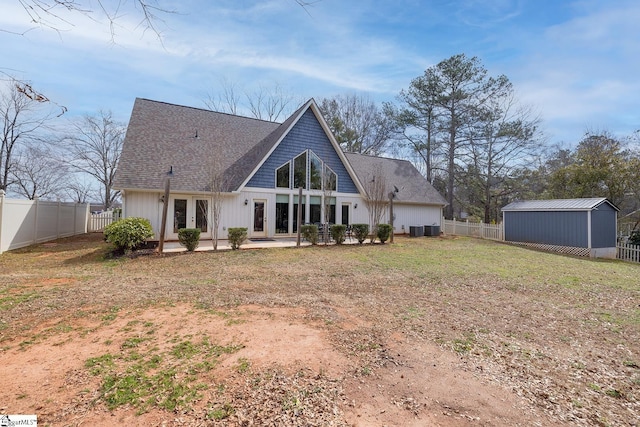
{"points": [[357, 123], [217, 186], [95, 149], [376, 199]]}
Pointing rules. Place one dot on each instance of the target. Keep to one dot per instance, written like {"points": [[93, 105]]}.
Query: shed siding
{"points": [[551, 228], [603, 226], [307, 133]]}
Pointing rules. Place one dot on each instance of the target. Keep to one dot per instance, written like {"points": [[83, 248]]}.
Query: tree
{"points": [[357, 123], [265, 103], [217, 185], [58, 14], [600, 168], [94, 149], [419, 120], [375, 198], [24, 114], [39, 174], [454, 95], [504, 138]]}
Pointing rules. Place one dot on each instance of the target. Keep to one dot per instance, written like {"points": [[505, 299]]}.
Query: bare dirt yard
{"points": [[424, 332]]}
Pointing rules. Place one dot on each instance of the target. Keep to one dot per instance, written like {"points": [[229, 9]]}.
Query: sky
{"points": [[576, 63]]}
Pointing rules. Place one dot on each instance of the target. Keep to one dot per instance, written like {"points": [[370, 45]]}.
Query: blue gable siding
{"points": [[547, 227], [603, 226], [306, 133]]}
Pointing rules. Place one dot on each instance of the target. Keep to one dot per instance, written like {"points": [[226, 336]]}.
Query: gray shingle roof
{"points": [[162, 135], [412, 186], [585, 204]]}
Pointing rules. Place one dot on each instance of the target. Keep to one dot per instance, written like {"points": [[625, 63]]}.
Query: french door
{"points": [[259, 218], [189, 212]]}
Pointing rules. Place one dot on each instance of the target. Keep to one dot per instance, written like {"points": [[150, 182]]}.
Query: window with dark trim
{"points": [[283, 174]]}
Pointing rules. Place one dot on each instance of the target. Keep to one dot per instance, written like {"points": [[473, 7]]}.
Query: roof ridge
{"points": [[206, 110]]}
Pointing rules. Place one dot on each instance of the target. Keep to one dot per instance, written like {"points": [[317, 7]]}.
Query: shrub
{"points": [[338, 233], [237, 236], [128, 233], [634, 238], [189, 238], [384, 231], [310, 233], [360, 232]]}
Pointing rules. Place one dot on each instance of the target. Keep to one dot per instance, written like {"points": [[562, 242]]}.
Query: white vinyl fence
{"points": [[628, 253], [474, 229], [98, 221], [26, 222]]}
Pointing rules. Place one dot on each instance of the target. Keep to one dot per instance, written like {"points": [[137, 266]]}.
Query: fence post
{"points": [[1, 221], [35, 220]]}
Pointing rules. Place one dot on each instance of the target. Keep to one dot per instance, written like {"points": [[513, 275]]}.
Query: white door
{"points": [[259, 218], [189, 212]]}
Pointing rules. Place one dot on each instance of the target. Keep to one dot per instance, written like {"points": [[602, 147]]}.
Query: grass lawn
{"points": [[563, 333]]}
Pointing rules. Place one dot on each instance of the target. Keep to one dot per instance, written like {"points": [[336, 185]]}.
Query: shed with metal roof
{"points": [[578, 226]]}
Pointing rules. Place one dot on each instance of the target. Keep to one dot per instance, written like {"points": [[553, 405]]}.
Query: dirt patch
{"points": [[417, 385]]}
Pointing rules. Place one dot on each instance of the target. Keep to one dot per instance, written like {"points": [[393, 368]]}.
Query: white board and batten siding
{"points": [[415, 215]]}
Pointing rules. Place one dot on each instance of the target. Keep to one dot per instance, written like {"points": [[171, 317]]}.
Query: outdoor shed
{"points": [[585, 227]]}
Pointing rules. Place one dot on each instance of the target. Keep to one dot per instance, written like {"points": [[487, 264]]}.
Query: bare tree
{"points": [[38, 174], [24, 114], [265, 103], [227, 101], [269, 103], [376, 198], [79, 190], [217, 186], [58, 14], [357, 123], [95, 149]]}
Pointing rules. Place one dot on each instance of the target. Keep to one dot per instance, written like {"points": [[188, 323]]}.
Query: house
{"points": [[586, 227], [258, 166]]}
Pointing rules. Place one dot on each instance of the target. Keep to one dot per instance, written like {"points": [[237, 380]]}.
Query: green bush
{"points": [[129, 233], [310, 233], [384, 231], [634, 239], [338, 233], [189, 238], [360, 232], [237, 236]]}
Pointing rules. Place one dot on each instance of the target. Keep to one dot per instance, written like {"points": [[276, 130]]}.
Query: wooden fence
{"points": [[98, 221], [27, 222], [474, 229], [628, 253]]}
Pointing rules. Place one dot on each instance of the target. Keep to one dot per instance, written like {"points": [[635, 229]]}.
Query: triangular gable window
{"points": [[306, 170]]}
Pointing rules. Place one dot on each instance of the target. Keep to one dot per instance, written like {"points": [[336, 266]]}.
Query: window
{"points": [[295, 212], [315, 172], [202, 212], [179, 214], [282, 213], [330, 208], [330, 179], [282, 176], [315, 205], [300, 171]]}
